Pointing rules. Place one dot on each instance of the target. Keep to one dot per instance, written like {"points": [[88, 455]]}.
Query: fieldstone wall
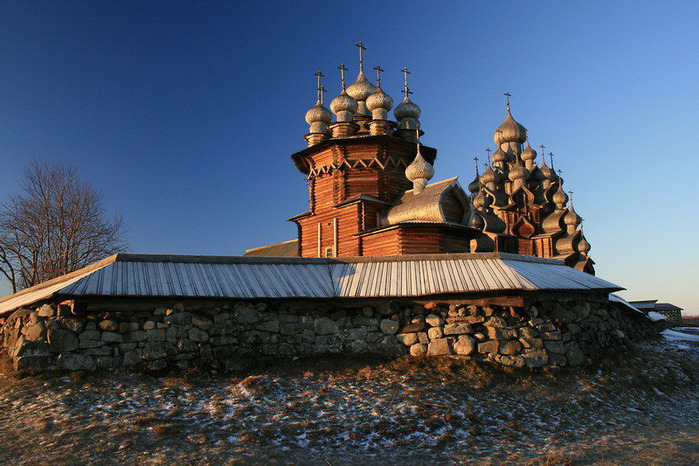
{"points": [[224, 336]]}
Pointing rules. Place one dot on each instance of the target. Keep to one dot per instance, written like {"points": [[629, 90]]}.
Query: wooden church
{"points": [[371, 194]]}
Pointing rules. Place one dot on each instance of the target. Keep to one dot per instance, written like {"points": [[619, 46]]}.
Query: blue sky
{"points": [[184, 114]]}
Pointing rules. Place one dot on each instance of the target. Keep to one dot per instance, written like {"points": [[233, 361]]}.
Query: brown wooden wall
{"points": [[384, 243]]}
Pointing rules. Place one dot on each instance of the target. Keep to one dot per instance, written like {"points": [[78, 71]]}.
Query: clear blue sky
{"points": [[184, 114]]}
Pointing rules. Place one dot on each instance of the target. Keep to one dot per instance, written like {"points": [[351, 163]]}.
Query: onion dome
{"points": [[420, 171], [572, 218], [489, 176], [528, 153], [407, 114], [544, 172], [499, 156], [344, 106], [560, 197], [475, 185], [360, 90], [583, 246], [519, 172], [477, 221], [318, 118], [379, 103], [481, 201], [510, 131]]}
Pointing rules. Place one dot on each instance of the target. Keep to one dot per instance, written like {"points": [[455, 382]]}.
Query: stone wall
{"points": [[561, 331]]}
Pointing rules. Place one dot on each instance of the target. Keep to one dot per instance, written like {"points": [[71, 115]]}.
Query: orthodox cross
{"points": [[361, 56], [551, 155], [406, 91], [570, 196], [507, 99], [323, 91], [378, 75], [560, 172], [543, 153], [488, 151], [319, 75], [342, 69], [475, 159]]}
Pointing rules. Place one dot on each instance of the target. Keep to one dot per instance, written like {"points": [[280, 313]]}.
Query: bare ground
{"points": [[638, 409]]}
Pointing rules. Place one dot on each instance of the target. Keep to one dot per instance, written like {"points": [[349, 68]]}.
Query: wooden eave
{"points": [[449, 226], [299, 158]]}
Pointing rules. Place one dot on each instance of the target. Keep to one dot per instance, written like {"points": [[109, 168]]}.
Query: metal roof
{"points": [[132, 275]]}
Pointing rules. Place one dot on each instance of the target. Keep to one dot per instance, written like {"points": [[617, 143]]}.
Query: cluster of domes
{"points": [[515, 190], [362, 101]]}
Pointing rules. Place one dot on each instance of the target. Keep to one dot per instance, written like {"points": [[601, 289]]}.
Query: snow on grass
{"points": [[346, 412]]}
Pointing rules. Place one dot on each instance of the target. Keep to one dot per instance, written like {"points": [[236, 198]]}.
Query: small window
{"points": [[329, 252]]}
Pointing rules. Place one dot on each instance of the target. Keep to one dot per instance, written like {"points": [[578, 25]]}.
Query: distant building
{"points": [[369, 194], [670, 311]]}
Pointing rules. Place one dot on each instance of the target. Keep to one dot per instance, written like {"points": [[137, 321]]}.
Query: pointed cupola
{"points": [[361, 89]]}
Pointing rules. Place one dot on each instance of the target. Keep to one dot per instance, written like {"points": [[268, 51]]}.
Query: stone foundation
{"points": [[556, 331]]}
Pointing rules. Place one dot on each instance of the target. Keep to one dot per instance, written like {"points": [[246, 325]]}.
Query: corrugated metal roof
{"points": [[130, 275]]}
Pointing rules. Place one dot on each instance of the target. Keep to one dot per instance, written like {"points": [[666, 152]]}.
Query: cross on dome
{"points": [[319, 88], [406, 91], [507, 99], [361, 47], [379, 70], [342, 69]]}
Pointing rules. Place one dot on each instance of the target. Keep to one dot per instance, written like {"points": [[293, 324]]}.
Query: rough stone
{"points": [[133, 358], [46, 311], [73, 324], [158, 350], [488, 347], [435, 333], [413, 327], [532, 343], [112, 337], [423, 338], [550, 335], [109, 325], [128, 327], [510, 347], [87, 344], [202, 322], [408, 339], [198, 335], [325, 326], [418, 349], [434, 320], [35, 330], [535, 357], [528, 333], [575, 355], [138, 335], [554, 347], [464, 345], [187, 346], [497, 322], [438, 347], [75, 362], [389, 327], [358, 333], [149, 325], [457, 329], [62, 341], [91, 335], [269, 326], [157, 334]]}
